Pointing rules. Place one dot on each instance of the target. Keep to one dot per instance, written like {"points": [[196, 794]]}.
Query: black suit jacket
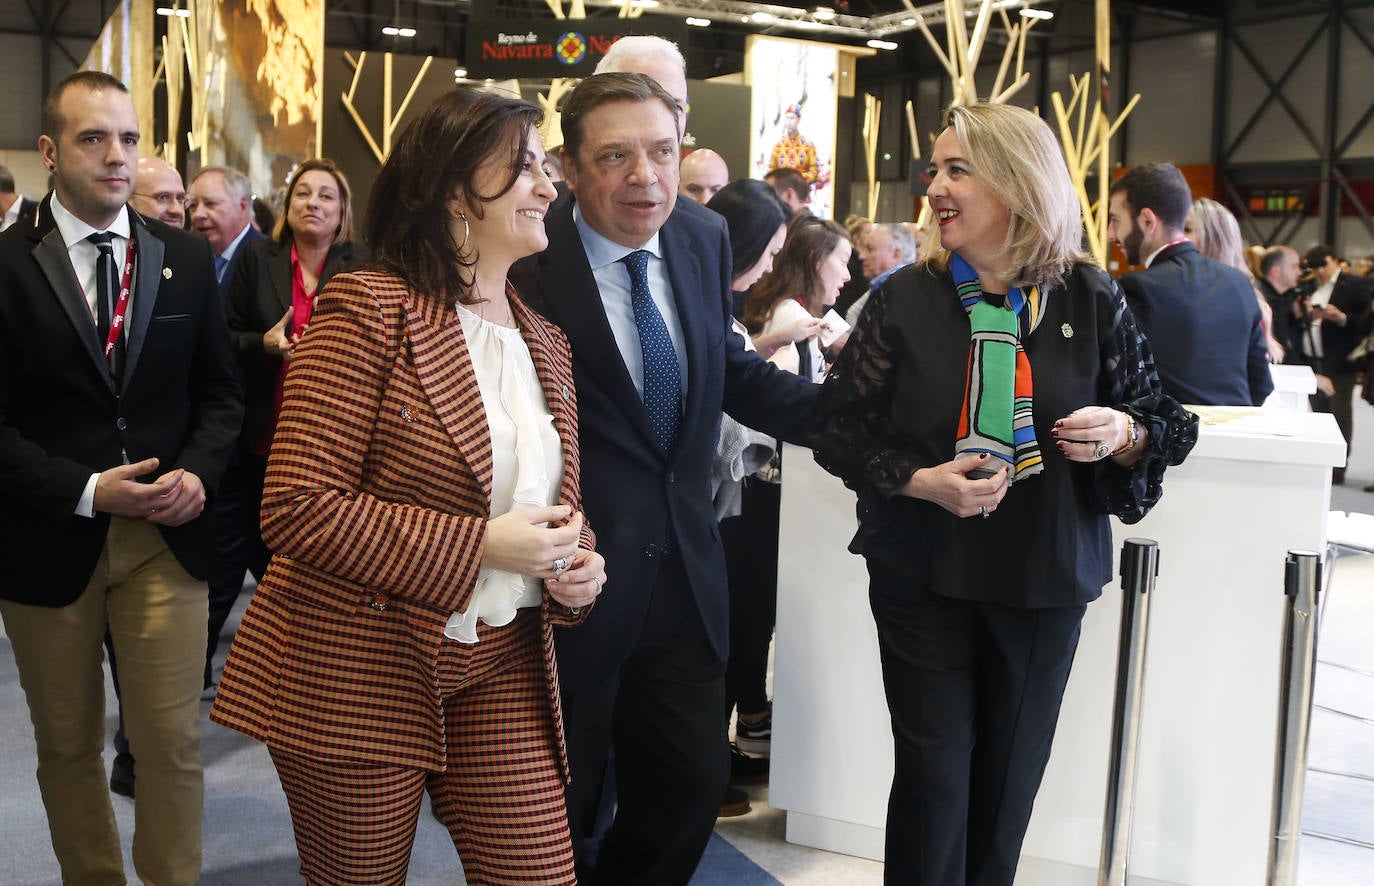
{"points": [[1203, 323], [258, 297], [62, 420], [1352, 295], [636, 497]]}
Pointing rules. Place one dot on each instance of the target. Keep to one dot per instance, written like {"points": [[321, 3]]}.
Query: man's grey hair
{"points": [[901, 238], [235, 182], [637, 46]]}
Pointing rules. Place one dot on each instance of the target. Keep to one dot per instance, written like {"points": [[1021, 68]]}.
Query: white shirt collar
{"points": [[12, 214], [228, 253], [74, 230]]}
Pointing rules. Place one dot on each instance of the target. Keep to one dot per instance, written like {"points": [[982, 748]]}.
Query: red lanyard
{"points": [[121, 303]]}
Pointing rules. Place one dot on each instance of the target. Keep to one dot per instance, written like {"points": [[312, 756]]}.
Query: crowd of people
{"points": [[475, 461]]}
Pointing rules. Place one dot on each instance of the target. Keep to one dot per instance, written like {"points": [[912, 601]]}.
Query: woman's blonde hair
{"points": [[283, 233], [1216, 233], [1015, 156]]}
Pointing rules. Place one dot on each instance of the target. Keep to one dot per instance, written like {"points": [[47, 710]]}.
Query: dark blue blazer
{"points": [[253, 234], [638, 498], [62, 418], [1202, 319]]}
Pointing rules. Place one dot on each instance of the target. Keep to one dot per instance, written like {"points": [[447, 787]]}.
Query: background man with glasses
{"points": [[159, 193]]}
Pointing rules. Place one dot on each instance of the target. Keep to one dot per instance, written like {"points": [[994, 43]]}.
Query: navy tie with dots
{"points": [[662, 384]]}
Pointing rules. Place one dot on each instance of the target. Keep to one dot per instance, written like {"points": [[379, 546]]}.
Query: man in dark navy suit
{"points": [[119, 405], [1201, 317], [221, 208], [641, 287]]}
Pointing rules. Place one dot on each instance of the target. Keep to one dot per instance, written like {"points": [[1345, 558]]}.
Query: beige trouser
{"points": [[156, 615]]}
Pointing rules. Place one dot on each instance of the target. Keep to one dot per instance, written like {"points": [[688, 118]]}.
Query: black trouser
{"points": [[240, 542], [750, 541], [974, 691], [662, 714]]}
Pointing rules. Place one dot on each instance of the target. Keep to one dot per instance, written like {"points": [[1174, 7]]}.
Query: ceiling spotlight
{"points": [[824, 13], [908, 22], [1043, 15], [460, 73], [167, 12], [699, 22], [398, 32], [882, 44], [762, 18]]}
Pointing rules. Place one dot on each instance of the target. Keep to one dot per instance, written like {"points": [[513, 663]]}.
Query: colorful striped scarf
{"points": [[996, 417]]}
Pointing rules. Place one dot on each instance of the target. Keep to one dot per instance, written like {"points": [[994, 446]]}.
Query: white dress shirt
{"points": [[83, 255], [527, 462]]}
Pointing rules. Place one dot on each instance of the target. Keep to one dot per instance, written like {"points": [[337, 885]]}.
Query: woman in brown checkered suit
{"points": [[422, 499]]}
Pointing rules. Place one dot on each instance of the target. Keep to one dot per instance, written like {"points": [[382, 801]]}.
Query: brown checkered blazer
{"points": [[375, 504]]}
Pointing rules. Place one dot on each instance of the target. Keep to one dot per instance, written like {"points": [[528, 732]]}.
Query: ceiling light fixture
{"points": [[398, 32], [762, 18], [824, 13], [168, 12], [699, 22], [1043, 15], [882, 44]]}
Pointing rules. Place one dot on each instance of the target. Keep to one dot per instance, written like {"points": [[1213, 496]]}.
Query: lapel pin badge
{"points": [[1067, 330], [405, 413], [166, 273], [566, 393]]}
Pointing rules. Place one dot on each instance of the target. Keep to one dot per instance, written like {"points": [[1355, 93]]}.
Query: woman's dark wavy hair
{"points": [[407, 225], [809, 240], [753, 213]]}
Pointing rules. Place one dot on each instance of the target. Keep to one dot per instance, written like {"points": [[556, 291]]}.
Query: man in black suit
{"points": [[14, 208], [1280, 269], [118, 408], [159, 193], [1201, 317], [641, 288], [1336, 318]]}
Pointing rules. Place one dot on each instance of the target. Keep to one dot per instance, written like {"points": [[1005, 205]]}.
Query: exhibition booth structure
{"points": [[1203, 803]]}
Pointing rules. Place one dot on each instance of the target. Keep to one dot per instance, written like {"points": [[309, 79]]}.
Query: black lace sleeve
{"points": [[1130, 383], [851, 430]]}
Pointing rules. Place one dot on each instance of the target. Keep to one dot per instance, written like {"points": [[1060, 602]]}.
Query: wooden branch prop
{"points": [[553, 119], [390, 121], [911, 131], [961, 51], [873, 109], [557, 7]]}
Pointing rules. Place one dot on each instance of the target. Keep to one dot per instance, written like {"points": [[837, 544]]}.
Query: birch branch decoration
{"points": [[873, 109], [1087, 136], [962, 51]]}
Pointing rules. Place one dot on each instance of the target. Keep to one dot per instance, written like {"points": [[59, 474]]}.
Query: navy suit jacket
{"points": [[62, 419], [638, 498], [1202, 319], [228, 278]]}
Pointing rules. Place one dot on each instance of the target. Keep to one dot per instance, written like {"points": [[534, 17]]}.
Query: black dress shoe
{"points": [[736, 803], [122, 775], [746, 770]]}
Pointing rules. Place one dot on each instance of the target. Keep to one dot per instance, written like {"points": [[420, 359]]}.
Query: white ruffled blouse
{"points": [[527, 462]]}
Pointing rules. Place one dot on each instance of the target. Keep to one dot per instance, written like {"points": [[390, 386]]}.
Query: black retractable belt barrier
{"points": [[1139, 567], [1301, 579]]}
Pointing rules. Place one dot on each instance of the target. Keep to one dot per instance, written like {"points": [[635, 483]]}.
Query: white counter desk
{"points": [[1256, 485]]}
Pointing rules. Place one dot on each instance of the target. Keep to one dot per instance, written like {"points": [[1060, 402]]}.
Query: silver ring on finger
{"points": [[598, 584], [560, 565], [1102, 450], [983, 512]]}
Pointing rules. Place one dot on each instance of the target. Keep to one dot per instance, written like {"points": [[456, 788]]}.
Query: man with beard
{"points": [[1200, 316]]}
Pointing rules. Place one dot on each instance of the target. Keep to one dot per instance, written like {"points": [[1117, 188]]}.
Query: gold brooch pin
{"points": [[1067, 330], [166, 273], [405, 413]]}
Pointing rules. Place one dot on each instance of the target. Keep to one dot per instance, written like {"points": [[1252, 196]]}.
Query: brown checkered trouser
{"points": [[501, 797]]}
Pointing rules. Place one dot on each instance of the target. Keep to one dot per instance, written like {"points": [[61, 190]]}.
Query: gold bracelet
{"points": [[1131, 438]]}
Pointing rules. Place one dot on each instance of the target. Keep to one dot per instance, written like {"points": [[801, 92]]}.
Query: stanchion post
{"points": [[1139, 567], [1301, 580]]}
